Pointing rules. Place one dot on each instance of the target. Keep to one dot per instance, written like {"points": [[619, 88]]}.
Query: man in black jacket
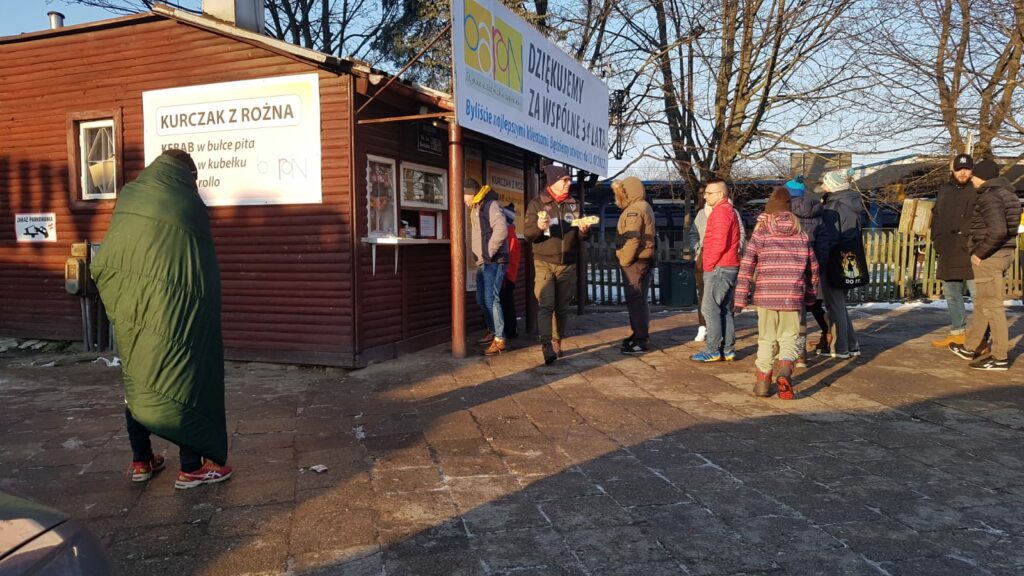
{"points": [[992, 241], [951, 219], [555, 240]]}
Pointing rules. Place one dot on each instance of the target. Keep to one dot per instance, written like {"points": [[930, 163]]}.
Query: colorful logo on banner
{"points": [[493, 47]]}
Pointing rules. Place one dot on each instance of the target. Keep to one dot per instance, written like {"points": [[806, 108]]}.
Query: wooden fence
{"points": [[902, 267]]}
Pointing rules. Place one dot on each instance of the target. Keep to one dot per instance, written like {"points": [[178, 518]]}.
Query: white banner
{"points": [[253, 141], [39, 227], [515, 85]]}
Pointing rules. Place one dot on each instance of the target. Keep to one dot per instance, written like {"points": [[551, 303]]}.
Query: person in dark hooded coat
{"points": [[841, 223], [158, 277]]}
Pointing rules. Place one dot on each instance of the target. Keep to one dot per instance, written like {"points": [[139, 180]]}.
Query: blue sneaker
{"points": [[729, 356], [706, 356]]}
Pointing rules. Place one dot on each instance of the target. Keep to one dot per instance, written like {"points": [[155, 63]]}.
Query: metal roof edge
{"points": [[321, 59], [78, 28], [350, 65], [228, 29]]}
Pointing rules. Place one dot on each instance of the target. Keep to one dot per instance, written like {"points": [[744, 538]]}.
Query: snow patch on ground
{"points": [[919, 304], [72, 444]]}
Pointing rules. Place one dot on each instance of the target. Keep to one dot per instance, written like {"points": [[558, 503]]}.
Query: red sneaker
{"points": [[142, 471], [210, 473]]}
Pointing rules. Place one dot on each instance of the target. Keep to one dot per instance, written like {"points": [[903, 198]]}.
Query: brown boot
{"points": [[556, 345], [497, 347], [784, 379], [486, 338], [762, 384]]}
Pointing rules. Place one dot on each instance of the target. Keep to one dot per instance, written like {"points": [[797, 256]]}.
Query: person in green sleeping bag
{"points": [[157, 274]]}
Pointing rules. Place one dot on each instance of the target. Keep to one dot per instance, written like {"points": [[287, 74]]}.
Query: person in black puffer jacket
{"points": [[993, 235], [807, 207], [951, 218]]}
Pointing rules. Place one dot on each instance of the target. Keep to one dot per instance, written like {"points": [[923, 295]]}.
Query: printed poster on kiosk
{"points": [[253, 141], [513, 84], [508, 182]]}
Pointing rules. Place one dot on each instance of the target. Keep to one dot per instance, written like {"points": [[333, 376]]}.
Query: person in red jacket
{"points": [[720, 261], [508, 289]]}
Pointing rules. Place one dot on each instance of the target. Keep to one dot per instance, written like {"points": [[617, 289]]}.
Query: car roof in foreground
{"points": [[21, 520]]}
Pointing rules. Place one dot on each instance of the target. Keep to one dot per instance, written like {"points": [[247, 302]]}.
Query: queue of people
{"points": [[805, 254]]}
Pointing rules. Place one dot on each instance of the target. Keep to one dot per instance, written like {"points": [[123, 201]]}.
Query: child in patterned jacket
{"points": [[779, 265]]}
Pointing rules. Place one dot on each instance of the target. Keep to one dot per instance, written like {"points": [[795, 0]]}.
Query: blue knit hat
{"points": [[796, 187]]}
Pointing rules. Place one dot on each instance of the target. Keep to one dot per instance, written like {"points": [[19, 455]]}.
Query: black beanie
{"points": [[987, 169], [554, 173]]}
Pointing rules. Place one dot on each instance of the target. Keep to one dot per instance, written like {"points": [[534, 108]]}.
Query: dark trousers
{"points": [[554, 285], [818, 310], [142, 448], [638, 286], [508, 309]]}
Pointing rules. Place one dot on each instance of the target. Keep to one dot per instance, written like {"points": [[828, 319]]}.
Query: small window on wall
{"points": [[424, 187], [381, 197], [97, 162], [95, 158]]}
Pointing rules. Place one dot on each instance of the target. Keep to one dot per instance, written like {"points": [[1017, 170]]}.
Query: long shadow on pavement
{"points": [[601, 464]]}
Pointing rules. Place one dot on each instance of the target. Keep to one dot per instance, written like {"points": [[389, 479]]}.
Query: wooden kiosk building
{"points": [[311, 269]]}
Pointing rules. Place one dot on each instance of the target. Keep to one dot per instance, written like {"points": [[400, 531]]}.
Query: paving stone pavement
{"points": [[900, 462]]}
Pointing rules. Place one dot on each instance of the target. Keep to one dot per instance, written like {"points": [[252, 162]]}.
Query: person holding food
{"points": [[555, 235]]}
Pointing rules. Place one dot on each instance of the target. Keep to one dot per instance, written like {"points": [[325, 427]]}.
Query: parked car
{"points": [[751, 210], [37, 540], [881, 215]]}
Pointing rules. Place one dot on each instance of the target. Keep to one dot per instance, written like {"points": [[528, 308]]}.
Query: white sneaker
{"points": [[702, 332]]}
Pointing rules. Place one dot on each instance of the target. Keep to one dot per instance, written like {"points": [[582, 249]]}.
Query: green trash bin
{"points": [[677, 283]]}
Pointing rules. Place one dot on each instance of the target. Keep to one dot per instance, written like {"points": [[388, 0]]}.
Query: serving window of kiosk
{"points": [[424, 201], [406, 204]]}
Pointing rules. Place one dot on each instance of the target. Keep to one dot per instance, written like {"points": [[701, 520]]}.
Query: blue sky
{"points": [[30, 16]]}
